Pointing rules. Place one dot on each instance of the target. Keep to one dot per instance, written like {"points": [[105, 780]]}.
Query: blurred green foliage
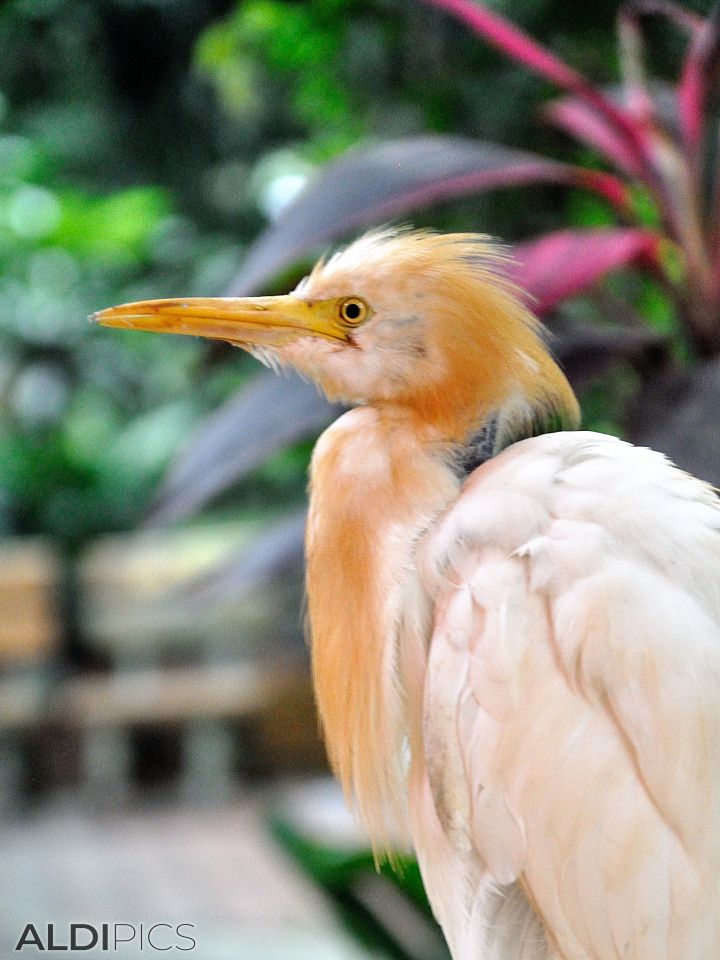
{"points": [[87, 421], [300, 48]]}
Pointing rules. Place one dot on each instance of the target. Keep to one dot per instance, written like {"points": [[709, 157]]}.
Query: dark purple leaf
{"points": [[266, 416], [372, 184], [677, 413], [562, 264], [586, 351], [700, 71]]}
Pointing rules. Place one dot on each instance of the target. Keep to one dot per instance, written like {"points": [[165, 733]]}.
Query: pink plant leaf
{"points": [[699, 72], [669, 183], [560, 265], [575, 117], [515, 43], [369, 185]]}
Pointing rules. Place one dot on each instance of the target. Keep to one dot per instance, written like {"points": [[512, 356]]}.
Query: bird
{"points": [[514, 623]]}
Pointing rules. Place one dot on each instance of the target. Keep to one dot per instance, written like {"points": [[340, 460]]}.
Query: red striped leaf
{"points": [[560, 265]]}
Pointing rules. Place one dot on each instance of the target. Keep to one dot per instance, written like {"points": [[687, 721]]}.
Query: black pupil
{"points": [[352, 311]]}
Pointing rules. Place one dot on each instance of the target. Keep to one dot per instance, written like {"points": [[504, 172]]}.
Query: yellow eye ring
{"points": [[353, 311]]}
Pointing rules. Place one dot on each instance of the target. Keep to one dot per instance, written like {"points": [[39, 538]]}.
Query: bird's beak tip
{"points": [[103, 318], [122, 316]]}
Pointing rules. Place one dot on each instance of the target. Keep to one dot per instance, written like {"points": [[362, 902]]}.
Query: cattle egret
{"points": [[515, 632]]}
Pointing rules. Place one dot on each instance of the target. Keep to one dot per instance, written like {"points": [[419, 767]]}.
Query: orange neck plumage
{"points": [[374, 491]]}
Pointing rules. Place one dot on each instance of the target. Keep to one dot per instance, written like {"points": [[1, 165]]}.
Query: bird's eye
{"points": [[353, 311]]}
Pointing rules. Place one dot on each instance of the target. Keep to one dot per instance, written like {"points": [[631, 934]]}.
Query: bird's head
{"points": [[407, 319]]}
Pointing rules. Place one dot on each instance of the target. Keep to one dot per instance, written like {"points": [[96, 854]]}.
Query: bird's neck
{"points": [[376, 488]]}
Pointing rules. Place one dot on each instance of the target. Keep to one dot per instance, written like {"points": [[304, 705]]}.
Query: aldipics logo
{"points": [[108, 937]]}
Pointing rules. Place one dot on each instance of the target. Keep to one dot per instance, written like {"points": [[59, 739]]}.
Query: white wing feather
{"points": [[571, 731]]}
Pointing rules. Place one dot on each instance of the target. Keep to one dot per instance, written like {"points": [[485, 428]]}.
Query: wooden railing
{"points": [[226, 678]]}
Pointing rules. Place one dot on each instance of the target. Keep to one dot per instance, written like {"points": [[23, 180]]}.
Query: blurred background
{"points": [[159, 754]]}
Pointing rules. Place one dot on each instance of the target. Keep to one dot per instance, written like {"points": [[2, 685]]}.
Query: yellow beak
{"points": [[269, 321]]}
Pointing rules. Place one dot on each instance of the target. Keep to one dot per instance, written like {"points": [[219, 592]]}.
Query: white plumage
{"points": [[571, 720]]}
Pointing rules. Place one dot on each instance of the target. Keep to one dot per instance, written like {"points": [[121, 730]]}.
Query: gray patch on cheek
{"points": [[413, 339], [405, 343], [410, 320]]}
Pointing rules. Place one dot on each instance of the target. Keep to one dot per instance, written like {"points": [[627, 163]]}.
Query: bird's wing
{"points": [[571, 729]]}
